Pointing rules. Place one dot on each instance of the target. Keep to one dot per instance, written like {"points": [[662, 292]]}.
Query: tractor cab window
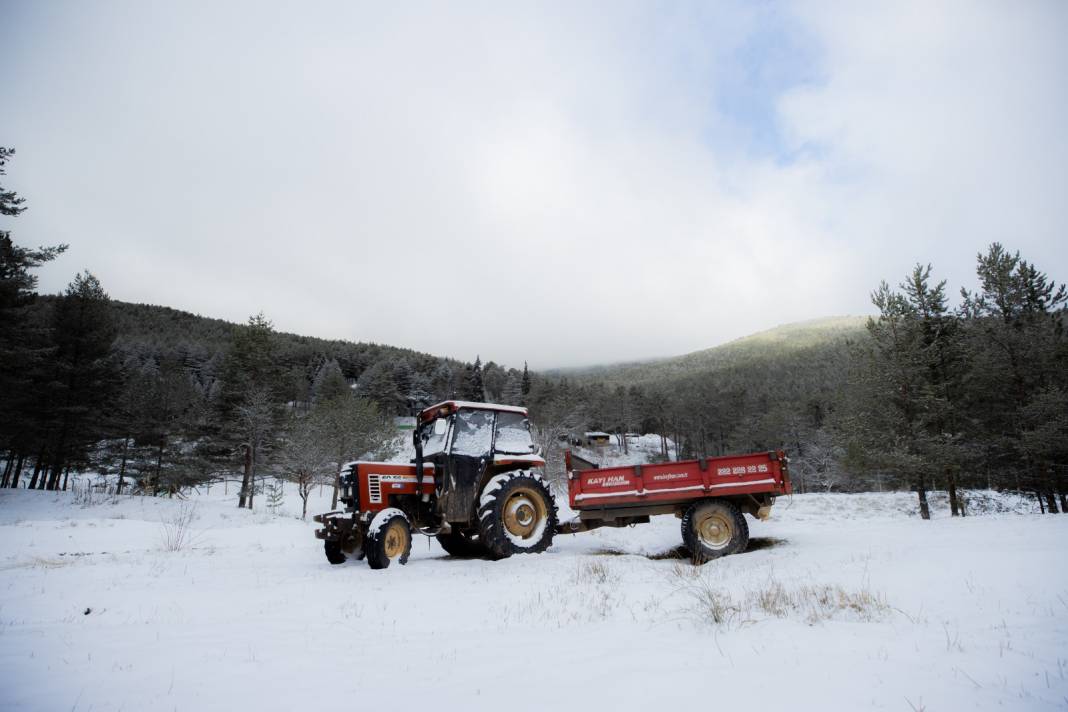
{"points": [[474, 432], [513, 434], [434, 437]]}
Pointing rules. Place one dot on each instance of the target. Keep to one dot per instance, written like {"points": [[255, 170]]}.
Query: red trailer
{"points": [[710, 495], [473, 484]]}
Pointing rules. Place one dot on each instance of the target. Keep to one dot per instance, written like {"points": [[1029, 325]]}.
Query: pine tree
{"points": [[329, 382], [248, 404], [525, 387], [1018, 360], [377, 384], [85, 377], [473, 388], [10, 202], [275, 495], [26, 348]]}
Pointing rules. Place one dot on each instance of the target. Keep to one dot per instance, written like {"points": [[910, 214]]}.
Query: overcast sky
{"points": [[561, 183]]}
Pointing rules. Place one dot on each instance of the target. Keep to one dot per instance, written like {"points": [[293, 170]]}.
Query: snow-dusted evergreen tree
{"points": [[525, 384], [494, 379], [377, 384], [84, 377], [248, 403], [443, 382], [473, 387], [275, 494], [512, 392], [329, 382], [25, 346]]}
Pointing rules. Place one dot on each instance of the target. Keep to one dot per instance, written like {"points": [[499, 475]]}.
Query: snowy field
{"points": [[843, 602]]}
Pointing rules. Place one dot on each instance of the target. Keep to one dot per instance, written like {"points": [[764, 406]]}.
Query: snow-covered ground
{"points": [[843, 602]]}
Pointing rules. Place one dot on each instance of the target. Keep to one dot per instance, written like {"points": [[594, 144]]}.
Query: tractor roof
{"points": [[451, 406]]}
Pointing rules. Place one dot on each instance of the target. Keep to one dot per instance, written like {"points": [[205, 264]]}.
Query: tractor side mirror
{"points": [[440, 426]]}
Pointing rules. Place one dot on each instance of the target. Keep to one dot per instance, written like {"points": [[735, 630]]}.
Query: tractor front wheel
{"points": [[714, 528], [389, 538], [516, 515], [334, 554]]}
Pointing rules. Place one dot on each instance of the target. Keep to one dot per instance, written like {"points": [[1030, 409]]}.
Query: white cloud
{"points": [[520, 182]]}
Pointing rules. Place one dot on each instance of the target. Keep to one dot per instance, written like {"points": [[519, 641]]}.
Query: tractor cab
{"points": [[467, 444]]}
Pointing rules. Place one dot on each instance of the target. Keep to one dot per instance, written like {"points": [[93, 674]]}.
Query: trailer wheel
{"points": [[516, 515], [461, 544], [388, 539], [334, 554], [714, 528]]}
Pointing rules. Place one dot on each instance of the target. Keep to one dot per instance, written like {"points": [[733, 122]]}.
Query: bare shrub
{"points": [[177, 529]]}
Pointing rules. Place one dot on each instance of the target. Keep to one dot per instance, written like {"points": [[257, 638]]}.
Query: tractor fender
{"points": [[380, 519]]}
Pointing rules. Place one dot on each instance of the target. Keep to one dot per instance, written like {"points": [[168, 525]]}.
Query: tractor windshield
{"points": [[474, 432], [513, 434]]}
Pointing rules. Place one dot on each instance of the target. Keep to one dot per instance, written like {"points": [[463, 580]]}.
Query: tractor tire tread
{"points": [[374, 546], [490, 517], [702, 554], [334, 554]]}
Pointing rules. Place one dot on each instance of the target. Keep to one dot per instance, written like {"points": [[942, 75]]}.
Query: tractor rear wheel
{"points": [[714, 528], [334, 554], [461, 544], [390, 540], [516, 515]]}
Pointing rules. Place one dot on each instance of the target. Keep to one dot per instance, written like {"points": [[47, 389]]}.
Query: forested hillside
{"points": [[773, 344], [926, 394]]}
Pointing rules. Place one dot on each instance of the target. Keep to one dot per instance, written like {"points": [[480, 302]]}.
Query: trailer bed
{"points": [[759, 476]]}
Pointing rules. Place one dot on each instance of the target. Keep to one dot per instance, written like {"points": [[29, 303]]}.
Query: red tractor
{"points": [[471, 485]]}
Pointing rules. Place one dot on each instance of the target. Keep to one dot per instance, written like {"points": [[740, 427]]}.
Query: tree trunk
{"points": [[122, 467], [252, 478], [337, 484], [951, 485], [921, 491], [8, 466], [18, 471], [159, 469], [1064, 500], [57, 472], [1051, 503], [1041, 504], [242, 497], [66, 475], [36, 471]]}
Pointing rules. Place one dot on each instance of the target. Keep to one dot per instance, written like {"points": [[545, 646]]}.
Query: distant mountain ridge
{"points": [[768, 344]]}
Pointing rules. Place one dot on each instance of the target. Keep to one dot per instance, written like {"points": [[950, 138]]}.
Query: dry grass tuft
{"points": [[811, 603]]}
